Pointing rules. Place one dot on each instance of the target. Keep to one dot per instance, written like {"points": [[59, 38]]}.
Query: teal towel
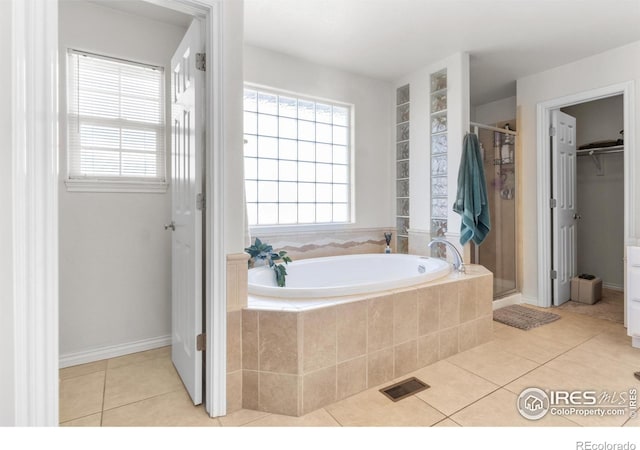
{"points": [[471, 201]]}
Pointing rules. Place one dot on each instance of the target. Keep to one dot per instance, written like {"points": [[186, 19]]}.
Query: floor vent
{"points": [[404, 389]]}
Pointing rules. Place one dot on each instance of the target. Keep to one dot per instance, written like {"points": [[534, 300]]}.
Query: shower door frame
{"points": [[543, 147], [476, 126]]}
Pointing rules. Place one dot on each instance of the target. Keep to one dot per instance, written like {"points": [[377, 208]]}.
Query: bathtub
{"points": [[347, 275]]}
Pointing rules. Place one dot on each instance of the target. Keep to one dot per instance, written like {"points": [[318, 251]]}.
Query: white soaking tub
{"points": [[337, 276]]}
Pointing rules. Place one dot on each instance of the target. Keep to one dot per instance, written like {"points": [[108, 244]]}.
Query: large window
{"points": [[115, 120], [297, 159]]}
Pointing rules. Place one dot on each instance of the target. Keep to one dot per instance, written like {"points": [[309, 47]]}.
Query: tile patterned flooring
{"points": [[477, 387]]}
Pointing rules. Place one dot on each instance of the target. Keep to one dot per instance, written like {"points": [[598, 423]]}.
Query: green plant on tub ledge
{"points": [[261, 251]]}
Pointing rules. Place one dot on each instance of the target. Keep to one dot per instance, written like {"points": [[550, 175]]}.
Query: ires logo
{"points": [[573, 398], [534, 403]]}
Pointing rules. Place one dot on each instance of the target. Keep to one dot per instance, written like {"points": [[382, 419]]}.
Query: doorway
{"points": [[599, 204], [545, 186]]}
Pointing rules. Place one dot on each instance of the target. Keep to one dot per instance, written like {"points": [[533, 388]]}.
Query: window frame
{"points": [[124, 184], [350, 202]]}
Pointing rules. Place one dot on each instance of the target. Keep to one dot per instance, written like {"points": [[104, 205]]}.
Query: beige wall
{"points": [[115, 256], [615, 66], [7, 340]]}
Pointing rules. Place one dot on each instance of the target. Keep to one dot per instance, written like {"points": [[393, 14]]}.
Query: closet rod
{"points": [[600, 150], [488, 127]]}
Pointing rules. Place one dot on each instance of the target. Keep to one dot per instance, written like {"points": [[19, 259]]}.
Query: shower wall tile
{"points": [[439, 165], [403, 225], [402, 150], [439, 144], [439, 208], [439, 186], [403, 207], [438, 123], [402, 169], [402, 132], [403, 94], [402, 189], [402, 113]]}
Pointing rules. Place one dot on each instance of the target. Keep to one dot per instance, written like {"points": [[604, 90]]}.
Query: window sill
{"points": [[149, 187], [301, 228]]}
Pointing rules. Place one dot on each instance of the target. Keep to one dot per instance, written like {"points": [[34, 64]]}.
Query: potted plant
{"points": [[262, 253]]}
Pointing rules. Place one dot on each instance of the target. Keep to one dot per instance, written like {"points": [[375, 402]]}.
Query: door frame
{"points": [[34, 147], [543, 148]]}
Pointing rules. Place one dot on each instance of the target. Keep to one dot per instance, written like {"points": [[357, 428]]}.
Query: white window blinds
{"points": [[116, 119]]}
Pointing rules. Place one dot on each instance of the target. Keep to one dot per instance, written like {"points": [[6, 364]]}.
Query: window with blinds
{"points": [[115, 120]]}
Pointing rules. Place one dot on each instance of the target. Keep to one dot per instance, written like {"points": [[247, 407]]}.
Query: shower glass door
{"points": [[498, 251]]}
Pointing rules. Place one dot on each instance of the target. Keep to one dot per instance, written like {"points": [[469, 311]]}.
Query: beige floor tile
{"points": [[596, 370], [135, 382], [492, 363], [635, 422], [546, 378], [569, 330], [241, 417], [446, 423], [451, 387], [89, 421], [535, 348], [83, 369], [498, 409], [81, 396], [135, 358], [372, 408], [319, 418], [174, 409]]}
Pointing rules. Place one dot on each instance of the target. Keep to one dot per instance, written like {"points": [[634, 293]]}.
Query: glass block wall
{"points": [[439, 165], [403, 97]]}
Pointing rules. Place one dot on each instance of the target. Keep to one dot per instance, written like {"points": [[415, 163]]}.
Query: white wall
{"points": [[232, 73], [373, 121], [458, 109], [115, 256], [494, 112], [615, 66], [600, 198], [7, 340]]}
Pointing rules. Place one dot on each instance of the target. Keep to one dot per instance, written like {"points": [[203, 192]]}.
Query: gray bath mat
{"points": [[522, 317]]}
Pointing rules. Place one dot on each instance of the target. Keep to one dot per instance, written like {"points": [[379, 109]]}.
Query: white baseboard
{"points": [[112, 351], [513, 299], [613, 287]]}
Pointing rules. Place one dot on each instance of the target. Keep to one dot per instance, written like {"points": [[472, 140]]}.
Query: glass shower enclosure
{"points": [[498, 251]]}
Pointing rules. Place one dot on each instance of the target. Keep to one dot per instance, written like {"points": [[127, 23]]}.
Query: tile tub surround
{"points": [[294, 362], [237, 271], [316, 244]]}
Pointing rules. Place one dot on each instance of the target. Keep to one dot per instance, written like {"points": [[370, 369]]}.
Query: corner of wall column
{"points": [[237, 273], [518, 200]]}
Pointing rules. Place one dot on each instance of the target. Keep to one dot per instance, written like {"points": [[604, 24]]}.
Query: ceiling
{"points": [[506, 39], [147, 10]]}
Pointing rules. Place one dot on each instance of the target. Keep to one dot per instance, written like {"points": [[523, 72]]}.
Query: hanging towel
{"points": [[471, 201]]}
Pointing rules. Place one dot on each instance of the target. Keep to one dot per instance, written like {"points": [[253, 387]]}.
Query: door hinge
{"points": [[553, 274], [553, 203], [201, 342], [552, 131], [201, 61], [200, 202]]}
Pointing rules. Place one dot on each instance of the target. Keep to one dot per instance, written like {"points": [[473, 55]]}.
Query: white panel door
{"points": [[187, 111], [564, 215]]}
